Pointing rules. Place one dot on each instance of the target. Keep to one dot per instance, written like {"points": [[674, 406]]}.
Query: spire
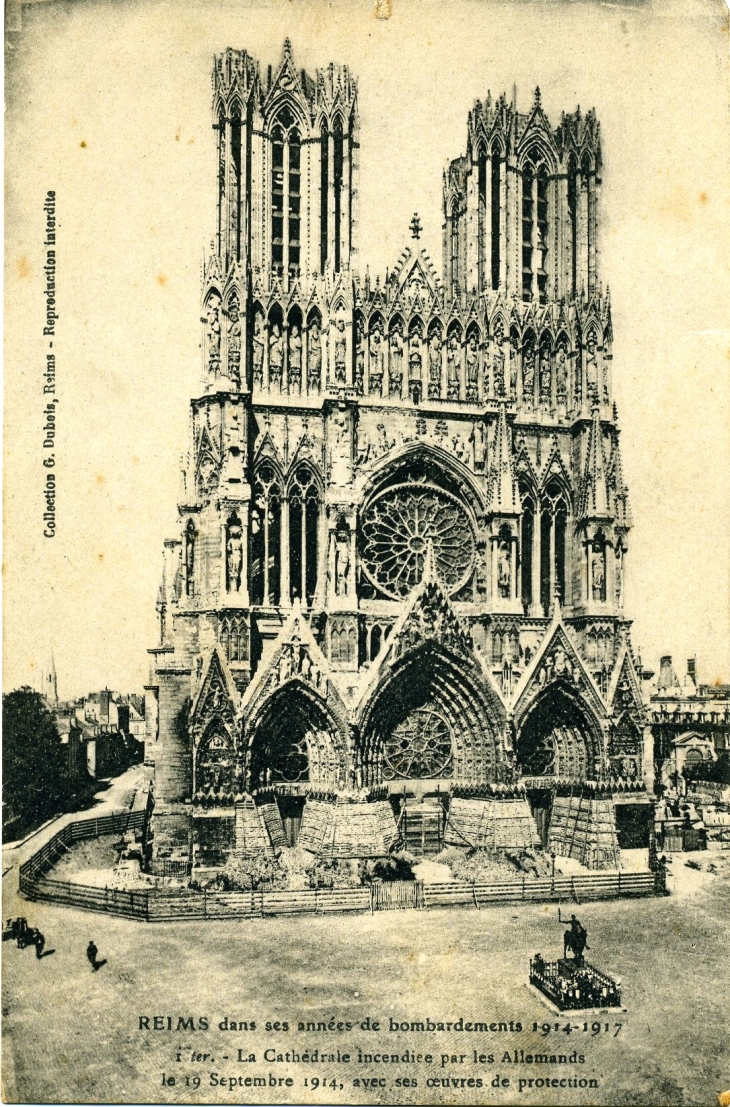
{"points": [[504, 497], [595, 491]]}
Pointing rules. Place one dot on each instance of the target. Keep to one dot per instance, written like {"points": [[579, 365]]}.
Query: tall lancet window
{"points": [[337, 168], [495, 214], [528, 220], [235, 208], [303, 535], [534, 231], [324, 190], [266, 537], [285, 194], [277, 198], [527, 542], [483, 215], [553, 545], [295, 202], [573, 218]]}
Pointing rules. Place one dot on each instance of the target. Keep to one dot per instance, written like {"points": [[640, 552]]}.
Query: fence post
{"points": [[474, 893], [619, 884], [523, 887], [372, 898]]}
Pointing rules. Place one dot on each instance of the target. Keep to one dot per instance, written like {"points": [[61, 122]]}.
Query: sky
{"points": [[109, 105]]}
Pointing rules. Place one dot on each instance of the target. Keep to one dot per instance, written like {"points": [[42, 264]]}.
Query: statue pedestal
{"points": [[568, 986]]}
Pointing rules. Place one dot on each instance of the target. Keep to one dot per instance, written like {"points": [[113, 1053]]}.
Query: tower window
{"points": [[303, 535], [496, 208], [294, 201], [266, 537], [482, 216], [573, 215], [277, 197], [324, 183], [528, 218], [337, 169]]}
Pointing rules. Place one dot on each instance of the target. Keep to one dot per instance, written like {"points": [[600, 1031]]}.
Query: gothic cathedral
{"points": [[395, 599]]}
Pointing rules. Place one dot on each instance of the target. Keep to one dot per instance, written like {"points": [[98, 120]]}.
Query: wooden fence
{"points": [[163, 905]]}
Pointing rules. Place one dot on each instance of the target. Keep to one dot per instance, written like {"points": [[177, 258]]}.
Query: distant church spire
{"points": [[49, 691]]}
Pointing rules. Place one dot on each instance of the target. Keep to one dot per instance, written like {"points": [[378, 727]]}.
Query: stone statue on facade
{"points": [[480, 445], [504, 569], [342, 562], [314, 356], [434, 366], [360, 362], [376, 360], [561, 374], [340, 353], [234, 559], [295, 356], [545, 376], [276, 355], [498, 362], [472, 369], [234, 343], [528, 373], [598, 575], [591, 367], [453, 383], [213, 336], [396, 362], [258, 350]]}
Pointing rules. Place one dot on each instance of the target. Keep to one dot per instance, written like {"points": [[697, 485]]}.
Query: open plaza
{"points": [[211, 1011]]}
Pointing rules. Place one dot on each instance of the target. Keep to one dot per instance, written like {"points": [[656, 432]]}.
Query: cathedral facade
{"points": [[396, 597]]}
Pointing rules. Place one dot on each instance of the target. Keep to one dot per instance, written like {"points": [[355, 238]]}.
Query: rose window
{"points": [[420, 746], [396, 530]]}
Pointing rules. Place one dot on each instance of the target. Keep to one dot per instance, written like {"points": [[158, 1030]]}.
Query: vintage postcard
{"points": [[366, 702]]}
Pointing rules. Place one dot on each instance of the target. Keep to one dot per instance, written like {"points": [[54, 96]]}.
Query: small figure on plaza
{"points": [[91, 953]]}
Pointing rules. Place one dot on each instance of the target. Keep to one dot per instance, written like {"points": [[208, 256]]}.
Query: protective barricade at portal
{"points": [[166, 905]]}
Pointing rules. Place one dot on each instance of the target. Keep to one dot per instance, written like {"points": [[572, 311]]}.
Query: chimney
{"points": [[692, 668], [667, 679]]}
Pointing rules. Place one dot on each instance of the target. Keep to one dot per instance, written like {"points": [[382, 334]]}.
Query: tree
{"points": [[35, 783]]}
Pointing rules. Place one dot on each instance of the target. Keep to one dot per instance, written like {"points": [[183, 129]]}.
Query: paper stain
{"points": [[383, 9], [82, 144], [724, 1099], [22, 268], [161, 279]]}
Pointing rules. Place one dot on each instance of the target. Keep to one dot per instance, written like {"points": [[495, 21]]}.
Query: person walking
{"points": [[40, 942], [91, 952]]}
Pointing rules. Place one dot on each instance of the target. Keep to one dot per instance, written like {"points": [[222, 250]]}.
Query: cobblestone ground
{"points": [[72, 1035]]}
